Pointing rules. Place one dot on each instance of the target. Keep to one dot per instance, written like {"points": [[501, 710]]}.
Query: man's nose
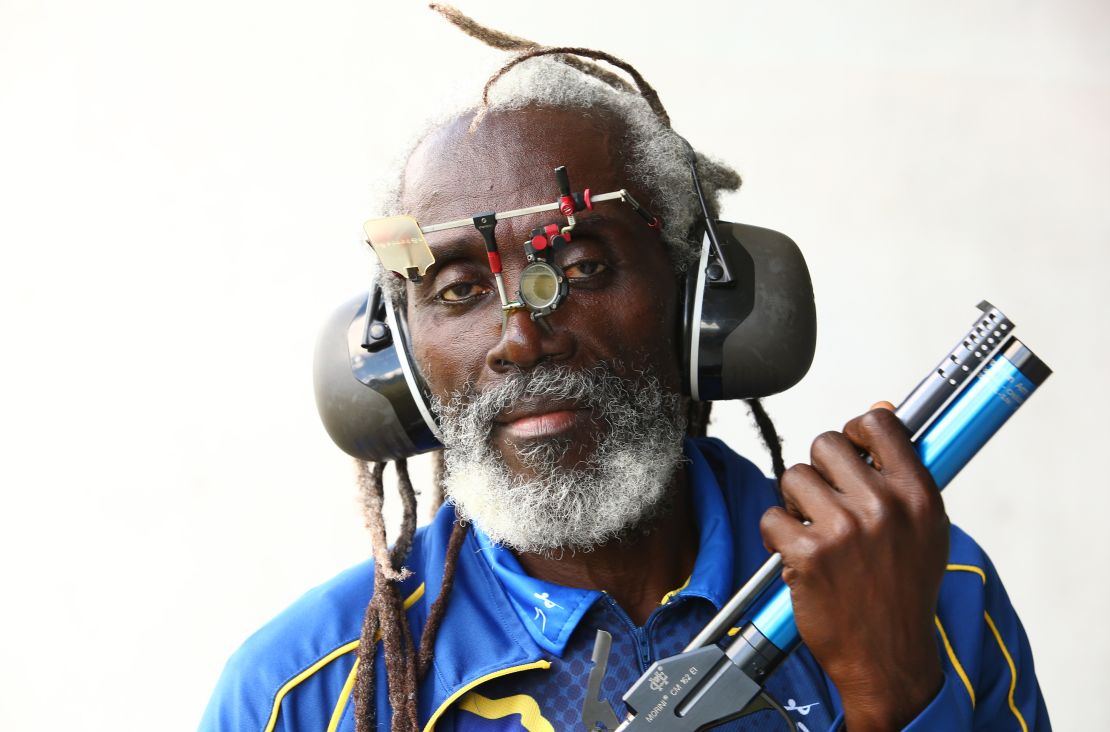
{"points": [[525, 343]]}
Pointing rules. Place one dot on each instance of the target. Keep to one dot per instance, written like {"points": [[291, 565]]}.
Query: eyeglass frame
{"points": [[537, 247]]}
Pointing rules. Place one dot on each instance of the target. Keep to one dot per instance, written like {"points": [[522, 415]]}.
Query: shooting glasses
{"points": [[400, 245]]}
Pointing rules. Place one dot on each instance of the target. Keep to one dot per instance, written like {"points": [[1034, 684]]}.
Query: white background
{"points": [[181, 193]]}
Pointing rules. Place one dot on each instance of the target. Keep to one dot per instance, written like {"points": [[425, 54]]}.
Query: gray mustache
{"points": [[598, 387]]}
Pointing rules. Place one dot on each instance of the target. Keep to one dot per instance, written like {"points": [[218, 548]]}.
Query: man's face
{"points": [[611, 346]]}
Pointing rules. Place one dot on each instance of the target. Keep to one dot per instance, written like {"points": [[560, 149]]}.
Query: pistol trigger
{"points": [[766, 702]]}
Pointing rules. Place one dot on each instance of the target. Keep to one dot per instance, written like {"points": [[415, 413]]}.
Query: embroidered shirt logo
{"points": [[548, 603], [546, 598], [791, 706]]}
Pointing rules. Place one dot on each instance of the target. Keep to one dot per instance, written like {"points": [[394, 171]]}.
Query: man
{"points": [[574, 502]]}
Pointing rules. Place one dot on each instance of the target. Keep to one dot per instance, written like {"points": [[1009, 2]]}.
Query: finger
{"points": [[780, 530], [839, 462], [804, 488], [884, 437], [881, 405]]}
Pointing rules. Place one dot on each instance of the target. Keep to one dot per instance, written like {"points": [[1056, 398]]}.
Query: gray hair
{"points": [[658, 158]]}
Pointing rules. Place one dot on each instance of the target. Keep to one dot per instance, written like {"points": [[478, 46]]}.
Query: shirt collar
{"points": [[712, 575], [548, 611], [551, 612]]}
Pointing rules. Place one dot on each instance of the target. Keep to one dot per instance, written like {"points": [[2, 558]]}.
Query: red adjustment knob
{"points": [[589, 201], [539, 242], [566, 205]]}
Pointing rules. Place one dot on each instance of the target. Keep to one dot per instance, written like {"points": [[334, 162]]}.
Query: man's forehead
{"points": [[508, 160]]}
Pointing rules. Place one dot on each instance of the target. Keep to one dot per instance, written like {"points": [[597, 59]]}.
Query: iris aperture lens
{"points": [[542, 287]]}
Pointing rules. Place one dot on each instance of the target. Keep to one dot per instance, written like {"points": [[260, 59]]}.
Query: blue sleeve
{"points": [[990, 681], [990, 684], [238, 703], [946, 712], [1007, 691], [257, 692], [290, 674]]}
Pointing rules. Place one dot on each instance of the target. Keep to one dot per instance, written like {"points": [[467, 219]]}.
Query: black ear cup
{"points": [[756, 335], [368, 392]]}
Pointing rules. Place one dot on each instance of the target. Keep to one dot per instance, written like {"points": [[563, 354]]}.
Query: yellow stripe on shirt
{"points": [[969, 568], [531, 719], [1013, 671], [308, 672], [955, 661], [667, 597], [476, 682]]}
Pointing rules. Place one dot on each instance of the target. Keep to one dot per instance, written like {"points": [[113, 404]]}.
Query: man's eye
{"points": [[581, 270], [462, 292]]}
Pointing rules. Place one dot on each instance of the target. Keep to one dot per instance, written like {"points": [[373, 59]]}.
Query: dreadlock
{"points": [[406, 662], [385, 616], [507, 42], [697, 425]]}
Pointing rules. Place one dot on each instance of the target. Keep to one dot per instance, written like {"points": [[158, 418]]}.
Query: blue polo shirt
{"points": [[564, 622], [513, 653]]}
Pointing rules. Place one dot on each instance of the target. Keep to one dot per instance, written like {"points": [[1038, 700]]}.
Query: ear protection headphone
{"points": [[749, 330]]}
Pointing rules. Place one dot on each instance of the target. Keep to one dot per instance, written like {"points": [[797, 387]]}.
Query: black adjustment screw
{"points": [[378, 331], [714, 272]]}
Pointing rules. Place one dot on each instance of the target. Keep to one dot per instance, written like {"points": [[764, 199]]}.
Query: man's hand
{"points": [[865, 574]]}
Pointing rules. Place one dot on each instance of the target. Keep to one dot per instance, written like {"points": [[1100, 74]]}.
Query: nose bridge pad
{"points": [[513, 309], [503, 347], [505, 313]]}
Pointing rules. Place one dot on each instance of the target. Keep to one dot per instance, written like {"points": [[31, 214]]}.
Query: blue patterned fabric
{"points": [[560, 691]]}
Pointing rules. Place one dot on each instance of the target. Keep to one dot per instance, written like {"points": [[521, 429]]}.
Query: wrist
{"points": [[891, 698]]}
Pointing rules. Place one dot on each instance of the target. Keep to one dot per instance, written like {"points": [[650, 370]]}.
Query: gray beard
{"points": [[621, 486]]}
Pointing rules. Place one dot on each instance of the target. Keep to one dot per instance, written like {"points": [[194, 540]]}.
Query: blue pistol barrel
{"points": [[945, 447], [979, 412]]}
